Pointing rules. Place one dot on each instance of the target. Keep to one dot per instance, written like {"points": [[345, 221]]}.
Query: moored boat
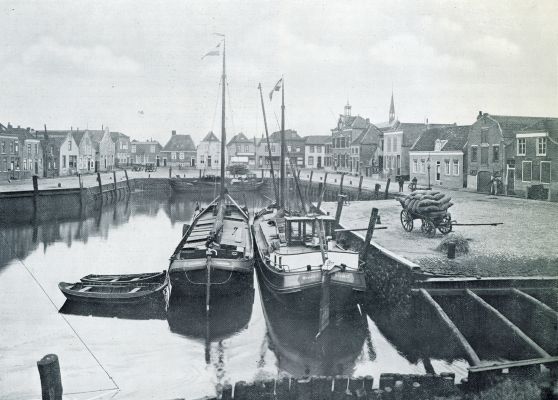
{"points": [[299, 260], [119, 279], [216, 252], [118, 294]]}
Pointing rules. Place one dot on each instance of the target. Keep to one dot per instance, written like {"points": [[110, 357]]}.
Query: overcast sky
{"points": [[136, 65]]}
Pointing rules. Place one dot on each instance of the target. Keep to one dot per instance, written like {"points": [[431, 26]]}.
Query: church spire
{"points": [[391, 110]]}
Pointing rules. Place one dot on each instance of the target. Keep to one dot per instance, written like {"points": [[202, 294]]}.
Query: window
{"points": [[298, 149], [389, 144], [422, 166], [63, 161], [173, 155], [152, 148], [484, 135], [310, 161], [438, 174], [16, 147], [526, 171], [181, 155], [474, 154], [11, 147], [545, 171], [69, 145], [28, 149], [415, 165], [36, 148], [25, 164], [312, 148], [521, 147], [133, 148], [238, 150], [447, 166], [484, 155], [495, 153], [541, 146], [246, 148], [318, 149], [456, 167], [3, 147], [273, 148]]}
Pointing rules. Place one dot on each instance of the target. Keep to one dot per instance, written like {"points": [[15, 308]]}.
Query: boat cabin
{"points": [[304, 230]]}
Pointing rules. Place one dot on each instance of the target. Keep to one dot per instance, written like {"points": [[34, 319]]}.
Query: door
{"points": [[398, 164], [511, 181], [319, 163], [483, 182], [164, 162], [208, 161], [158, 162], [36, 168], [438, 171]]}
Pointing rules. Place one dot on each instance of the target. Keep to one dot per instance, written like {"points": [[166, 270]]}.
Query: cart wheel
{"points": [[428, 228], [445, 226], [406, 220]]}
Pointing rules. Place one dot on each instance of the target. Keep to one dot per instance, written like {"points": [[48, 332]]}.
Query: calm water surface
{"points": [[177, 352]]}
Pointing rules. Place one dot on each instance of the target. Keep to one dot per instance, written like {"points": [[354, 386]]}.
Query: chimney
{"points": [[173, 132], [9, 125], [480, 115]]}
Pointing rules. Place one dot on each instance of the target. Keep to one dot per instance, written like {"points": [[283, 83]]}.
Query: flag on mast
{"points": [[213, 52], [276, 88]]}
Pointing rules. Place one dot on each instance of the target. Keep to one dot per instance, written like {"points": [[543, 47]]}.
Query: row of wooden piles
{"points": [[391, 387]]}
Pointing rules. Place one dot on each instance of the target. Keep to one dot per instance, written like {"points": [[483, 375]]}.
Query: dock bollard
{"points": [[51, 381], [451, 250]]}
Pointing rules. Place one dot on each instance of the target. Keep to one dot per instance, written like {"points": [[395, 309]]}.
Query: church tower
{"points": [[391, 110], [347, 109]]}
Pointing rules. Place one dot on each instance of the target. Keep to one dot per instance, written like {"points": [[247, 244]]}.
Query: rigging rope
{"points": [[216, 104]]}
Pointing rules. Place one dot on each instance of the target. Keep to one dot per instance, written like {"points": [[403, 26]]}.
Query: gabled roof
{"points": [[210, 137], [549, 125], [359, 123], [117, 135], [317, 139], [509, 124], [370, 136], [240, 138], [411, 130], [455, 136], [290, 134], [180, 143]]}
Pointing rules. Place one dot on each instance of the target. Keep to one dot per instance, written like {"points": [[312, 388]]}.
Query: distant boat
{"points": [[149, 277], [116, 294], [215, 253]]}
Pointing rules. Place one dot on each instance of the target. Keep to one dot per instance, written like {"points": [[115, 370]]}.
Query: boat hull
{"points": [[114, 294], [156, 277], [193, 283]]}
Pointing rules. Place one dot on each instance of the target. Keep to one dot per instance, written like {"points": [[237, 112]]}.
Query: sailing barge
{"points": [[299, 260], [216, 253]]}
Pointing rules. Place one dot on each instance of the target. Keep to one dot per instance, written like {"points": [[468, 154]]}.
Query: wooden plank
{"points": [[537, 303], [514, 364], [516, 331], [472, 356]]}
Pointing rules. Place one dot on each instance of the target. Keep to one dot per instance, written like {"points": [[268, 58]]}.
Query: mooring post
{"points": [[309, 187], [340, 201], [369, 232], [200, 173], [170, 172], [114, 178], [359, 187], [51, 381], [387, 187], [35, 191], [127, 180], [80, 191], [100, 185], [341, 183], [377, 187]]}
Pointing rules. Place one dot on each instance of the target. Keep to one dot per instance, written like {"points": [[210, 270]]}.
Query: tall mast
{"points": [[223, 133], [283, 145], [269, 148]]}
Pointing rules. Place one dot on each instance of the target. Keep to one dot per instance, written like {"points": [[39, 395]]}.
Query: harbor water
{"points": [[176, 349]]}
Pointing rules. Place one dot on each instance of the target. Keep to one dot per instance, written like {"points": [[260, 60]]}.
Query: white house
{"points": [[208, 153]]}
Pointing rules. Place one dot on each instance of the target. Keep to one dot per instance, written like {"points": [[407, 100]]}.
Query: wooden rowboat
{"points": [[118, 294], [150, 277]]}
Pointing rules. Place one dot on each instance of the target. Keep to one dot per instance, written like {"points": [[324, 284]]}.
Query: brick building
{"points": [[20, 153], [366, 151], [347, 130], [180, 151], [145, 152], [295, 150], [317, 151], [241, 150]]}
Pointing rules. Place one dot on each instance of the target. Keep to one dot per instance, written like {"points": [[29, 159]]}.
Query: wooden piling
{"points": [[341, 183], [51, 381], [369, 232], [515, 330], [170, 172], [309, 187], [387, 188], [324, 185], [377, 187], [472, 356], [127, 180], [100, 185], [359, 187], [340, 202], [114, 178], [35, 192]]}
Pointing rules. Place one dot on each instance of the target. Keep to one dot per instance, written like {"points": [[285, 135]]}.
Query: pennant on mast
{"points": [[276, 88], [213, 52]]}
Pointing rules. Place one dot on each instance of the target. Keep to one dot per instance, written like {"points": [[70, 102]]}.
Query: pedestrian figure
{"points": [[414, 184], [400, 180]]}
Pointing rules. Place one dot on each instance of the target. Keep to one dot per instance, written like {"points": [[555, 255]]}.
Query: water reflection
{"points": [[152, 310], [292, 338]]}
